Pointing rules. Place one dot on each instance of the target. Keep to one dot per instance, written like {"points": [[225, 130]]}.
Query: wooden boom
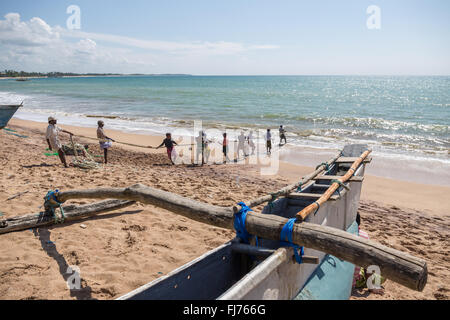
{"points": [[332, 189], [395, 265], [71, 213]]}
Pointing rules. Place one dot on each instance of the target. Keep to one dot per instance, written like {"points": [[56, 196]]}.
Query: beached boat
{"points": [[6, 113], [268, 271]]}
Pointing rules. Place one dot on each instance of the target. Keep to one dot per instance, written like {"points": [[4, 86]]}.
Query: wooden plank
{"points": [[302, 215], [251, 250], [305, 195], [286, 190], [352, 179], [352, 160], [265, 252]]}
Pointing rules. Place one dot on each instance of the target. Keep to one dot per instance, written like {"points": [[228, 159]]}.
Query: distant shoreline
{"points": [[97, 76]]}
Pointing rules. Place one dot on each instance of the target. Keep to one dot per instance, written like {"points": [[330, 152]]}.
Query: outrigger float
{"points": [[303, 245]]}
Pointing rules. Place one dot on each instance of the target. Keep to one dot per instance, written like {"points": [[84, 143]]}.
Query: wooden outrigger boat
{"points": [[6, 113], [318, 213], [269, 270]]}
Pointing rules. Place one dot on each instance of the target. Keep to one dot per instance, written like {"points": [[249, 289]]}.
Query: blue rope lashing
{"points": [[353, 171], [318, 207], [274, 196], [286, 240], [327, 166], [51, 203], [340, 185], [299, 188], [239, 223]]}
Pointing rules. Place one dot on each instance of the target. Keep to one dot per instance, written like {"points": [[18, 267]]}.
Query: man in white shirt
{"points": [[53, 139]]}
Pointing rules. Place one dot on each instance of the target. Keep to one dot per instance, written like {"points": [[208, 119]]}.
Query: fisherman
{"points": [[241, 144], [53, 139], [168, 142], [282, 135], [105, 142], [200, 139], [251, 143], [225, 148], [268, 141], [207, 149]]}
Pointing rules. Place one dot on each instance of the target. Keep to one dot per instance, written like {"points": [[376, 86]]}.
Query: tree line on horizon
{"points": [[18, 74]]}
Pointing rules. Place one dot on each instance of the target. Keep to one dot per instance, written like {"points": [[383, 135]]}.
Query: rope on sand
{"points": [[15, 134]]}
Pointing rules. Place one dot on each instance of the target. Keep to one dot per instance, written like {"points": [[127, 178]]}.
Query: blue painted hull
{"points": [[332, 280], [6, 113]]}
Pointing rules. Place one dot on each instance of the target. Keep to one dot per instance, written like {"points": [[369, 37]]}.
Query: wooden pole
{"points": [[72, 213], [203, 149], [395, 265], [334, 186], [286, 190]]}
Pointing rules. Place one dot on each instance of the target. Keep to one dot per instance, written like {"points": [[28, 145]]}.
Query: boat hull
{"points": [[6, 113], [227, 274]]}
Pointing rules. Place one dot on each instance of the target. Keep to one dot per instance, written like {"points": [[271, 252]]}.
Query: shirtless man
{"points": [[169, 144], [282, 135], [269, 141]]}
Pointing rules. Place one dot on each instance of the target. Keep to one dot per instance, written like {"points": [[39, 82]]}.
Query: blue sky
{"points": [[228, 37]]}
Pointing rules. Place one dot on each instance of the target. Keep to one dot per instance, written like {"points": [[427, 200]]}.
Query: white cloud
{"points": [[33, 33], [86, 46], [206, 47], [35, 46]]}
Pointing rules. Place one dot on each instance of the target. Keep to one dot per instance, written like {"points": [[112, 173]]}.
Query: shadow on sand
{"points": [[85, 292]]}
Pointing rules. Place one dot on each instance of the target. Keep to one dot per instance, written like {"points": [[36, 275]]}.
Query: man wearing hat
{"points": [[53, 140], [105, 142]]}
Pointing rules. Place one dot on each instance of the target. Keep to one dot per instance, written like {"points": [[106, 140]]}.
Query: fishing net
{"points": [[85, 163]]}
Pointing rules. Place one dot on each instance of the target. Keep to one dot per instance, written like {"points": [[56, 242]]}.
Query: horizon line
{"points": [[231, 75]]}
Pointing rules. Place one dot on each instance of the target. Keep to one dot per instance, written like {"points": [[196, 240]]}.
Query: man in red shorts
{"points": [[168, 142]]}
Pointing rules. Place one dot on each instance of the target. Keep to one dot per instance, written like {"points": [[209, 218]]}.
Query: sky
{"points": [[228, 37]]}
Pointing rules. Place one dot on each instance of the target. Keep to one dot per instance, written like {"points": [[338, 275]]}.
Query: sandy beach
{"points": [[120, 251]]}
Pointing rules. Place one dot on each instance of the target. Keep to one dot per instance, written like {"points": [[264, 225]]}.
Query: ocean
{"points": [[404, 119]]}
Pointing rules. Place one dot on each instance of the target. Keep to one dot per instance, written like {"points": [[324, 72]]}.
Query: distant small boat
{"points": [[22, 79], [6, 113]]}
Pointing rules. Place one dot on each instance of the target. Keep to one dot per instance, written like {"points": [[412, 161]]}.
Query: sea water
{"points": [[404, 119]]}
